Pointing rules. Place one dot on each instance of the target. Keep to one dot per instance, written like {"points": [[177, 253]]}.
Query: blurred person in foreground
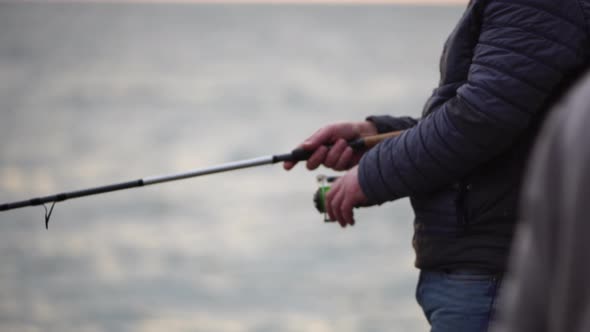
{"points": [[547, 287], [462, 163]]}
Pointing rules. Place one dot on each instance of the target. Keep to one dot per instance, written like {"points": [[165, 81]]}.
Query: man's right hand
{"points": [[340, 156]]}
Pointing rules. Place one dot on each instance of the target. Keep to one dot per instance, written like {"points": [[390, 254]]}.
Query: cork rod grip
{"points": [[371, 141]]}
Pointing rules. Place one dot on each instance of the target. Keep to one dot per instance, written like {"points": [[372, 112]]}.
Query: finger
{"points": [[345, 160], [317, 158], [288, 165], [329, 199], [335, 152], [328, 202], [321, 137], [356, 158], [346, 212], [336, 203], [337, 212]]}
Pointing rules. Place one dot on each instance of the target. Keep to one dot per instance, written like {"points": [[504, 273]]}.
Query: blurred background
{"points": [[96, 93]]}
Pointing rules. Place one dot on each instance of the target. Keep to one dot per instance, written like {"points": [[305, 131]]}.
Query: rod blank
{"points": [[211, 170], [139, 183]]}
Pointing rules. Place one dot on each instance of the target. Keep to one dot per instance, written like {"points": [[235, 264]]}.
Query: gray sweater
{"points": [[548, 288]]}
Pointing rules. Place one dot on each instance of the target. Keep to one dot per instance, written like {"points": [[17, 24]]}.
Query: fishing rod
{"points": [[295, 155]]}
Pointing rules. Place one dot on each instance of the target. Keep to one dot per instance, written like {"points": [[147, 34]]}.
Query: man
{"points": [[549, 272], [461, 164]]}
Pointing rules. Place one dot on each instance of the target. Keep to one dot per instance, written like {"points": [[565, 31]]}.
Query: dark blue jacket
{"points": [[462, 162]]}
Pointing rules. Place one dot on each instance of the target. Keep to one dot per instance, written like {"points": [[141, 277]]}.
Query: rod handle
{"points": [[358, 144], [371, 141]]}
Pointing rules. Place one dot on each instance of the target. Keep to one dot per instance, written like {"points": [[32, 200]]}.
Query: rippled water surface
{"points": [[95, 94]]}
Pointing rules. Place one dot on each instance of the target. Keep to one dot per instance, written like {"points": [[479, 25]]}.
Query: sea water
{"points": [[92, 94]]}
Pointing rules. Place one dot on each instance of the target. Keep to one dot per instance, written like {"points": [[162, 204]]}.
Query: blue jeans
{"points": [[461, 301]]}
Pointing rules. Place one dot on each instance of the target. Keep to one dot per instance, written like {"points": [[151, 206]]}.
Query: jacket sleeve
{"points": [[522, 53], [386, 123]]}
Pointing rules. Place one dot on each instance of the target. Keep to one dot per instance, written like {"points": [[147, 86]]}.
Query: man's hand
{"points": [[340, 156], [344, 195]]}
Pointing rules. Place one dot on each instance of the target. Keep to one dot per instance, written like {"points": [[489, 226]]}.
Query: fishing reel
{"points": [[319, 198]]}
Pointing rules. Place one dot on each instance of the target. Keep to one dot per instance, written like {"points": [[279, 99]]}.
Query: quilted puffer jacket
{"points": [[462, 163]]}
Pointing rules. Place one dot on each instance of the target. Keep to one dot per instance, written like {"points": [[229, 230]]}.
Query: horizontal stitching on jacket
{"points": [[502, 47], [539, 34], [476, 109], [517, 107], [545, 10], [532, 85], [448, 119], [421, 137], [546, 64], [409, 158], [378, 165], [394, 192], [441, 139], [445, 84]]}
